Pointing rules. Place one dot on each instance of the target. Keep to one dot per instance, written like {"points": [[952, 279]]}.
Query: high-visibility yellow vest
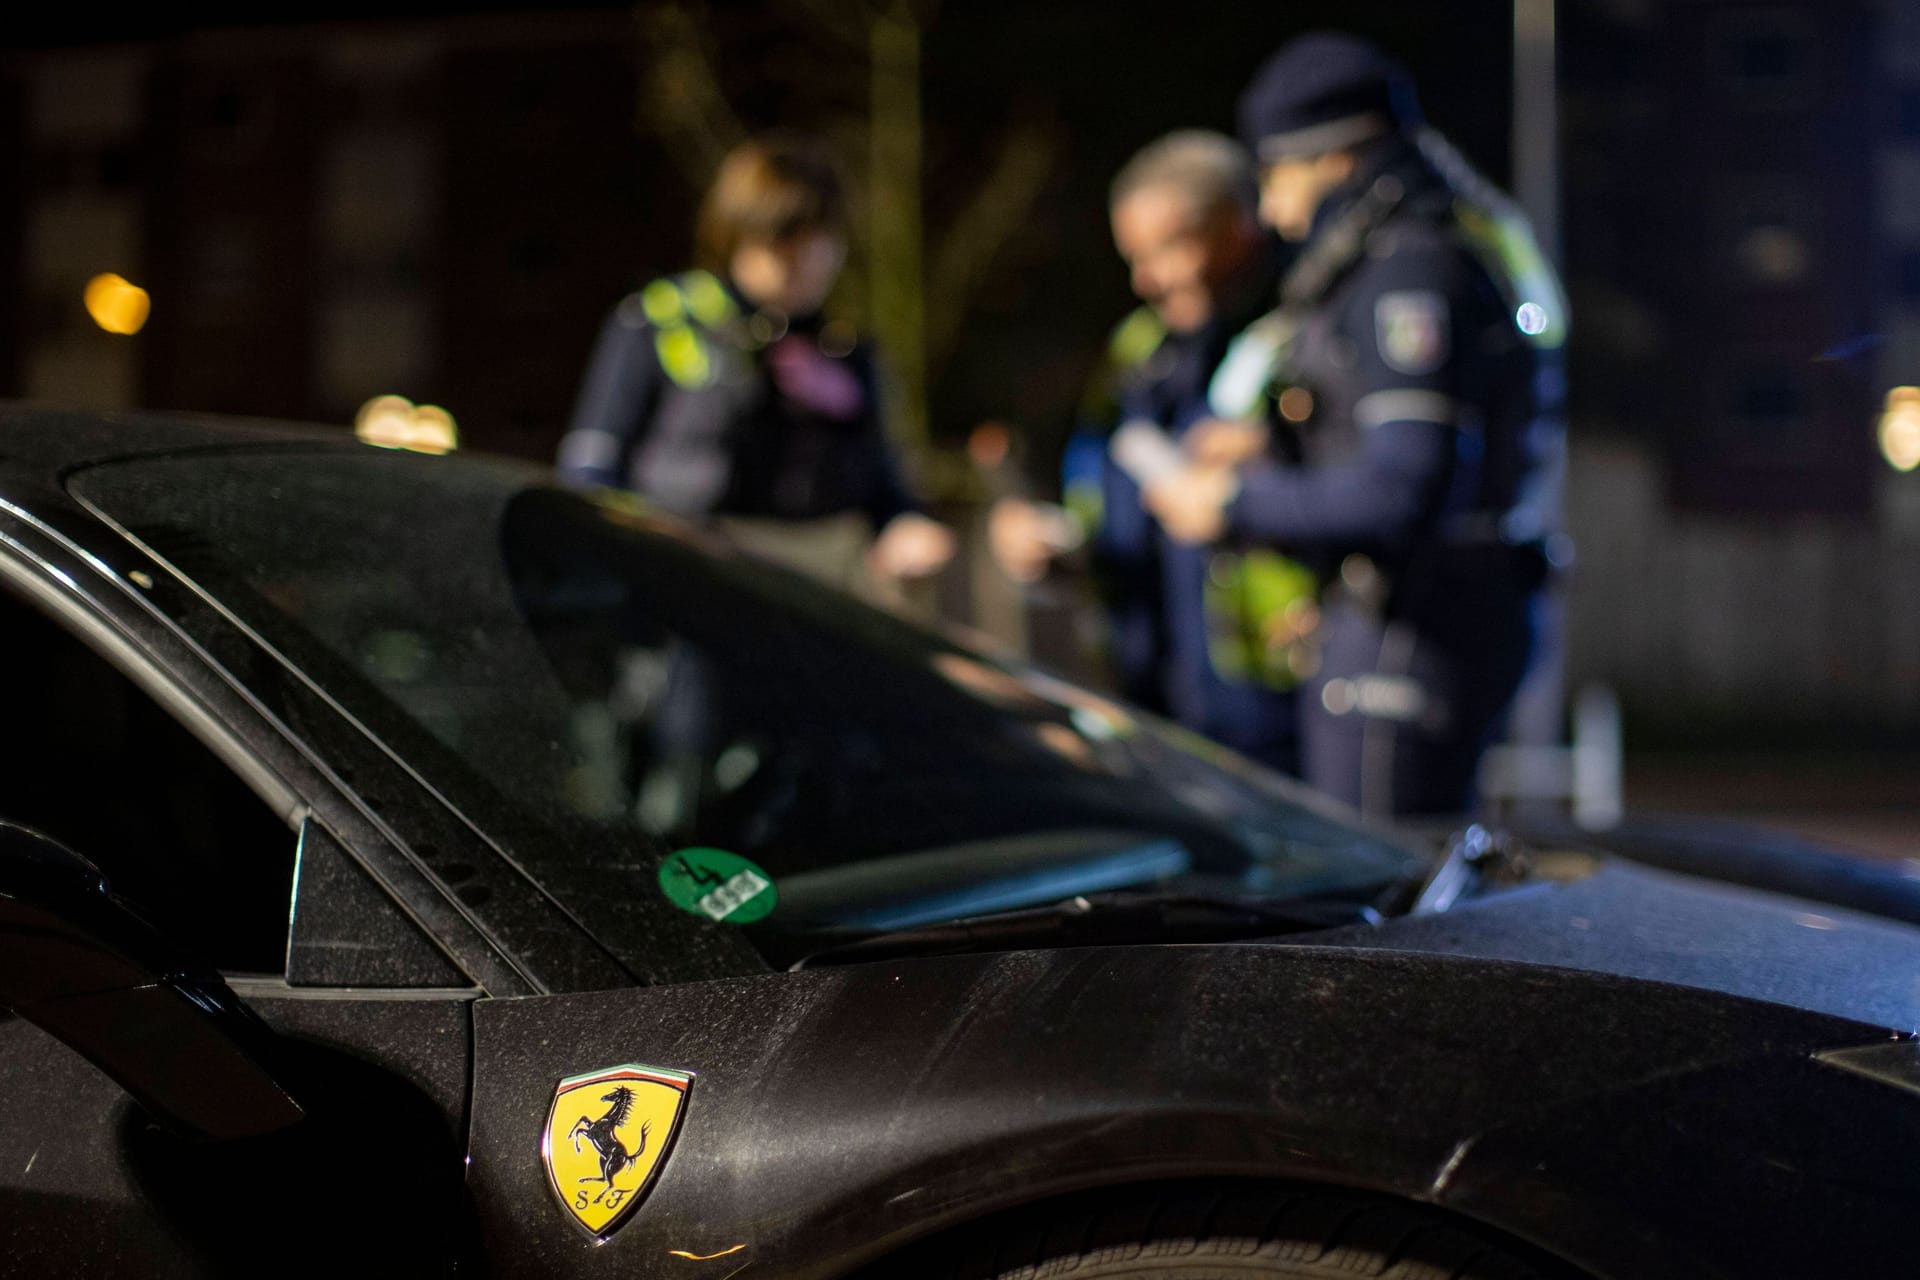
{"points": [[684, 310]]}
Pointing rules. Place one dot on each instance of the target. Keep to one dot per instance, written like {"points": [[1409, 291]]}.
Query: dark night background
{"points": [[556, 193], [441, 201]]}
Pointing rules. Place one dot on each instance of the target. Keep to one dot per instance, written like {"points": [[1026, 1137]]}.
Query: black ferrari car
{"points": [[409, 866]]}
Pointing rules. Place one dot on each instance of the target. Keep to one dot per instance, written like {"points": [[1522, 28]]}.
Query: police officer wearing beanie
{"points": [[1421, 372]]}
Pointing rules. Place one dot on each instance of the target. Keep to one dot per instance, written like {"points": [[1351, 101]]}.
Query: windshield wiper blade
{"points": [[1095, 920], [1474, 856]]}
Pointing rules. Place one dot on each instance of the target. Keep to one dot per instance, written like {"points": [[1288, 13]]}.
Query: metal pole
{"points": [[896, 240], [1538, 717], [1536, 121]]}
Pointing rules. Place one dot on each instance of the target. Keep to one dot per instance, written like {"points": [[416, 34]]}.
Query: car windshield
{"points": [[610, 684]]}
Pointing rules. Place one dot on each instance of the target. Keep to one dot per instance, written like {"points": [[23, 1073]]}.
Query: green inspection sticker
{"points": [[721, 886]]}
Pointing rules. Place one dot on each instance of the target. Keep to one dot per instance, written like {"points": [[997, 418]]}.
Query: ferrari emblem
{"points": [[607, 1134]]}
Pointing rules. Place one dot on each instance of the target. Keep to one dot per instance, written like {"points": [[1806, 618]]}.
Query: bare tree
{"points": [[900, 258], [680, 97]]}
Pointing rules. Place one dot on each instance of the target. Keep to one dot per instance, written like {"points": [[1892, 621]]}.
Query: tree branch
{"points": [[844, 20], [680, 99], [990, 218]]}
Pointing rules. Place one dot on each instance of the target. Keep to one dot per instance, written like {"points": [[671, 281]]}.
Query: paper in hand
{"points": [[1146, 453], [1245, 375]]}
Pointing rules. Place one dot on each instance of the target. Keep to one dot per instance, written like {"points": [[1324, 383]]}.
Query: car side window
{"points": [[347, 932], [99, 766]]}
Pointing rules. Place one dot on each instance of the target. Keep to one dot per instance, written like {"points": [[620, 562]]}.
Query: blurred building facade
{"points": [[1742, 185], [445, 207], [323, 214], [444, 210]]}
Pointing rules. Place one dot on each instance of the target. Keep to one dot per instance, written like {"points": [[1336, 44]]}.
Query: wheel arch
{"points": [[1173, 1209]]}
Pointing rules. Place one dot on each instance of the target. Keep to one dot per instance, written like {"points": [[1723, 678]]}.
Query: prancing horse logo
{"points": [[604, 1134], [607, 1134]]}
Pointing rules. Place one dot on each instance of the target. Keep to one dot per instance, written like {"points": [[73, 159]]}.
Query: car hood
{"points": [[1635, 922]]}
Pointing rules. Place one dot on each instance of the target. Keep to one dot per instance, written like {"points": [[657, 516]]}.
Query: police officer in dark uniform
{"points": [[725, 394], [1421, 366], [1184, 640]]}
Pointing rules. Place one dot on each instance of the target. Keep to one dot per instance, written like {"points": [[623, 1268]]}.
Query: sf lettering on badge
{"points": [[607, 1134]]}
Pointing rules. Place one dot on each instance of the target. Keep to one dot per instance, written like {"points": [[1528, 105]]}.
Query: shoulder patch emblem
{"points": [[1413, 331], [608, 1133]]}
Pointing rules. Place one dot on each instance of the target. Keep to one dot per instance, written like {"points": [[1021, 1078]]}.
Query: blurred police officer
{"points": [[1184, 219], [1421, 363], [725, 394]]}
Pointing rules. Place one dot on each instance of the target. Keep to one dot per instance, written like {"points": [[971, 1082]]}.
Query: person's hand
{"points": [[1026, 536], [1192, 505], [1221, 442], [911, 546]]}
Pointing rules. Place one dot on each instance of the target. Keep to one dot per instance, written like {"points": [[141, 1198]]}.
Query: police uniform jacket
{"points": [[1153, 587], [699, 403], [1432, 438]]}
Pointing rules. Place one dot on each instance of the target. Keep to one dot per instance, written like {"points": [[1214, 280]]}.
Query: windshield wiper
{"points": [[1095, 920], [1474, 856]]}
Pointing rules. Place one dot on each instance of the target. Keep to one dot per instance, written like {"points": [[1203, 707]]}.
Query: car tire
{"points": [[1229, 1234]]}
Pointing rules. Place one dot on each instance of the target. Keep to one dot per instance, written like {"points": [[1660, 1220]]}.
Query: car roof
{"points": [[43, 441]]}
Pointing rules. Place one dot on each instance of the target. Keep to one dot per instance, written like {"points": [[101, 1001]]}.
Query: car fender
{"points": [[836, 1114]]}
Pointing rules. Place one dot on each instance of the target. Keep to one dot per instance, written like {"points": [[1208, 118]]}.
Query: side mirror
{"points": [[85, 967]]}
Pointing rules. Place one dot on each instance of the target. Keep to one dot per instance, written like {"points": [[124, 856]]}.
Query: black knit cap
{"points": [[1322, 92]]}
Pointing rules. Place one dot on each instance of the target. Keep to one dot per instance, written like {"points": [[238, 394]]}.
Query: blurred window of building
{"points": [[1769, 407], [1766, 59], [1768, 233], [80, 215], [1906, 114]]}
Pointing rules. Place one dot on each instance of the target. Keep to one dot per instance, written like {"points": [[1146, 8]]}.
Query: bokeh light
{"points": [[1775, 255], [117, 305], [395, 422], [1296, 404], [1900, 429], [989, 445]]}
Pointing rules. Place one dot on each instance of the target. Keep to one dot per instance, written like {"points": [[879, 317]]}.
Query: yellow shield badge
{"points": [[607, 1135]]}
